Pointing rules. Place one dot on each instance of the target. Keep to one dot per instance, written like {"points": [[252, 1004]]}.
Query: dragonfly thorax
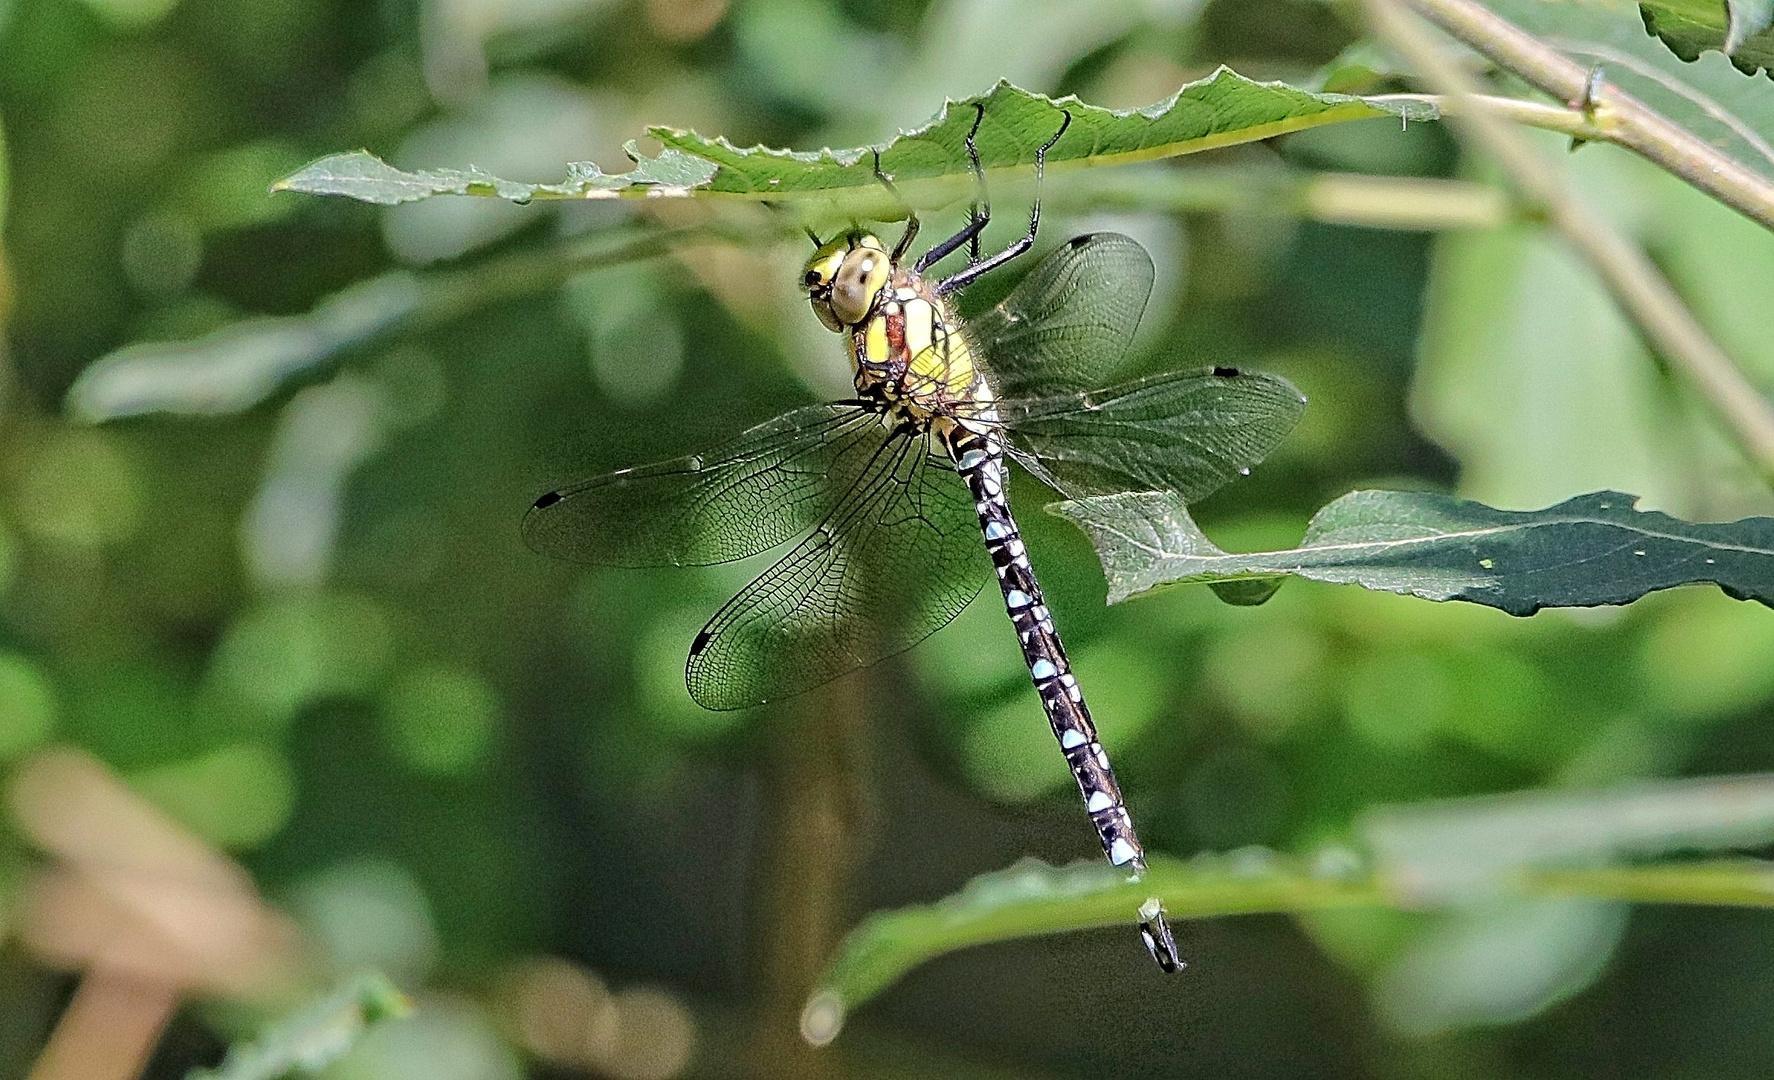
{"points": [[906, 347], [910, 352]]}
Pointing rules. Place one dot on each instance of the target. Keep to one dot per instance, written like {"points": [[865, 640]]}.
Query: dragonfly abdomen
{"points": [[980, 459], [981, 462]]}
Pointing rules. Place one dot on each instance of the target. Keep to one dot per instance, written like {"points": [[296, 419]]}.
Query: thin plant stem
{"points": [[1642, 292], [109, 1028], [1620, 117], [1566, 121], [815, 817]]}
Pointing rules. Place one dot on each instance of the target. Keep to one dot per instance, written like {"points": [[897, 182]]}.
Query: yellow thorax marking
{"points": [[902, 339], [939, 362], [874, 349], [920, 326]]}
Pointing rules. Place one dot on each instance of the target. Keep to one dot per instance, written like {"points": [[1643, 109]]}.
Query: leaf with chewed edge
{"points": [[929, 165], [363, 176], [1591, 550], [1741, 29]]}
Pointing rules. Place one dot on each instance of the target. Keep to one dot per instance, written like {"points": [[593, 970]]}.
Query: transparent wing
{"points": [[1187, 432], [897, 558], [1066, 326], [759, 489]]}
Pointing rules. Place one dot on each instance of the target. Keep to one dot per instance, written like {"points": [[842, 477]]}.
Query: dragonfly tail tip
{"points": [[1155, 932]]}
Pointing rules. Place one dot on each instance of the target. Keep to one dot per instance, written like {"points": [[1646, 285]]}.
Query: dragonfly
{"points": [[887, 496]]}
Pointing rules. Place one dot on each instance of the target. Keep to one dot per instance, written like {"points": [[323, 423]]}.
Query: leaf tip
{"points": [[1245, 592], [823, 1018]]}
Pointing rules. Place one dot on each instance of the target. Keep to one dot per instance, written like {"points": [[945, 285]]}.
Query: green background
{"points": [[307, 629]]}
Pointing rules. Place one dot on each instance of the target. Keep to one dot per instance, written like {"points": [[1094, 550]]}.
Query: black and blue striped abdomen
{"points": [[979, 458]]}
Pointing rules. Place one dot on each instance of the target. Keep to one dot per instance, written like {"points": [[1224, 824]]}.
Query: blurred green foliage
{"points": [[304, 626]]}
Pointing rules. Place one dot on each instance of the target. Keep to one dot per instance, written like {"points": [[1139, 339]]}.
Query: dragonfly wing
{"points": [[759, 489], [1187, 432], [897, 557], [1066, 326]]}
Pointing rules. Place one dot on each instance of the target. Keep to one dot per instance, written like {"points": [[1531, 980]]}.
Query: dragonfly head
{"points": [[844, 277]]}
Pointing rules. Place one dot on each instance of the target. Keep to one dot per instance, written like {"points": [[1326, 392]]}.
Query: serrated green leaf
{"points": [[363, 176], [1591, 550], [1741, 29], [1223, 109], [929, 165]]}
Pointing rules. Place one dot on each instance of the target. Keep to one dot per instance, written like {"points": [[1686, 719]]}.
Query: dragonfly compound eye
{"points": [[817, 279], [860, 279]]}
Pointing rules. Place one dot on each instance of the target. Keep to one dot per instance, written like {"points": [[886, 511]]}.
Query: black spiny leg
{"points": [[962, 278], [979, 215], [911, 216]]}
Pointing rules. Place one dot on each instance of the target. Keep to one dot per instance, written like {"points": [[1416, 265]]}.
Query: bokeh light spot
{"points": [[684, 20], [80, 489], [130, 14], [1272, 675], [553, 1004], [162, 254], [369, 914], [1708, 657], [659, 679], [446, 1038], [1009, 753], [290, 652], [1235, 796], [440, 720], [236, 797], [128, 109], [27, 705], [1398, 699], [631, 332], [652, 1037]]}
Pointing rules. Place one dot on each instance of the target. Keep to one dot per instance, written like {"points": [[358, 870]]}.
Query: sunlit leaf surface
{"points": [[928, 164]]}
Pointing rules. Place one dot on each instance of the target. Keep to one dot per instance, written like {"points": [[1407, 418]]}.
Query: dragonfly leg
{"points": [[977, 270], [979, 214], [980, 459], [911, 216]]}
